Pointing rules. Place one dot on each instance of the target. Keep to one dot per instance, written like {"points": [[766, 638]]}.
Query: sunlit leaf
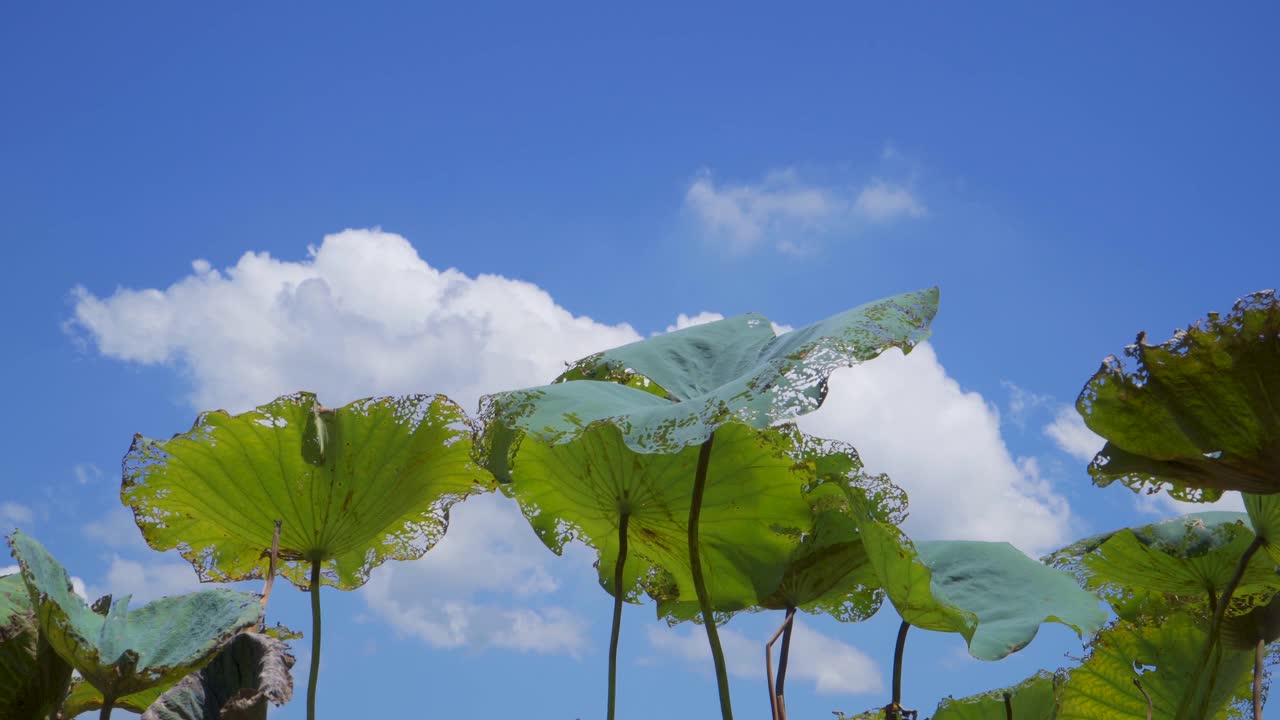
{"points": [[33, 678], [580, 490], [121, 652], [85, 698], [249, 673], [1164, 659], [353, 486], [1199, 413], [1035, 698]]}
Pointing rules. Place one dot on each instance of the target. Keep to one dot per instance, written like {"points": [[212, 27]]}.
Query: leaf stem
{"points": [[1143, 690], [271, 570], [1008, 706], [1259, 656], [775, 696], [699, 583], [897, 662], [617, 612], [1201, 699], [315, 639], [783, 656], [105, 713]]}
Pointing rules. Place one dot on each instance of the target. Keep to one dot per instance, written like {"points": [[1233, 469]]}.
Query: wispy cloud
{"points": [[784, 211], [1070, 434]]}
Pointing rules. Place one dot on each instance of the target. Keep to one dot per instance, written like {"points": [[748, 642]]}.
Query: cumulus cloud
{"points": [[147, 581], [833, 666], [12, 513], [77, 585], [476, 588], [909, 418], [362, 315], [784, 210], [1070, 434]]}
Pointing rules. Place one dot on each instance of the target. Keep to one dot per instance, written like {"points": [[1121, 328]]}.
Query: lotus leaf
{"points": [[121, 652], [673, 390], [1193, 555], [1035, 698], [85, 698], [989, 592], [1102, 687], [1199, 413], [33, 678], [354, 486], [580, 490], [252, 670]]}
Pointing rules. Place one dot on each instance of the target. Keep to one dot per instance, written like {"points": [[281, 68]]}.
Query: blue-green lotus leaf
{"points": [[33, 678], [121, 652], [1199, 414], [989, 592], [673, 390]]}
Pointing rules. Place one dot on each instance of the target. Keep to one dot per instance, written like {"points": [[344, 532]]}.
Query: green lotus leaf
{"points": [[1193, 556], [85, 698], [989, 592], [356, 486], [1242, 632], [872, 714], [33, 678], [249, 672], [1102, 687], [1035, 698], [1200, 413], [828, 571], [121, 652], [753, 497], [673, 390]]}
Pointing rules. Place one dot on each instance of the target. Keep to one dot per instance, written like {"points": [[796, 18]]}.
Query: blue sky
{"points": [[1068, 175]]}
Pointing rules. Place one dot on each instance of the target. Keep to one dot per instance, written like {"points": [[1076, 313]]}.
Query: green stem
{"points": [[699, 583], [315, 640], [1008, 706], [1145, 696], [105, 713], [897, 663], [785, 652], [617, 613], [1215, 629], [1259, 656]]}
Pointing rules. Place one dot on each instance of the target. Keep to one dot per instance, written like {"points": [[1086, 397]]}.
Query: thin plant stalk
{"points": [[699, 583], [1008, 706], [105, 712], [271, 571], [1145, 695], [1215, 628], [785, 652], [1259, 656], [617, 613], [315, 640], [898, 649], [776, 705]]}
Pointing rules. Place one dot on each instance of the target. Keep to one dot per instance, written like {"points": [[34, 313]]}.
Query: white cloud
{"points": [[86, 473], [12, 513], [8, 570], [833, 666], [683, 321], [147, 581], [479, 586], [1070, 434], [784, 210], [115, 529], [1022, 402], [363, 315], [882, 202], [908, 418]]}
